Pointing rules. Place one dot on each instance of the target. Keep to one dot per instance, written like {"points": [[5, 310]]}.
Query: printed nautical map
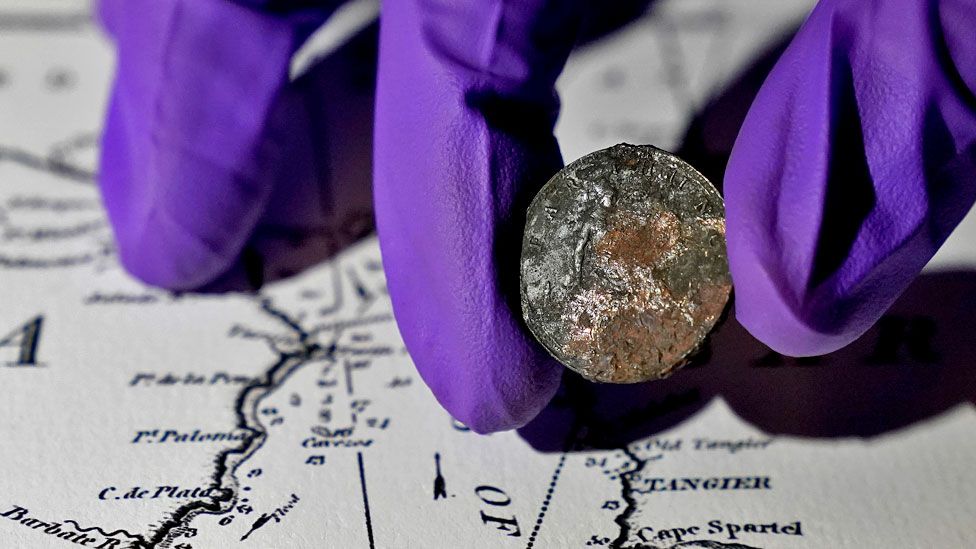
{"points": [[132, 417]]}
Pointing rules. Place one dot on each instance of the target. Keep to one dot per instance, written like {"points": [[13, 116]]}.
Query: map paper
{"points": [[132, 417]]}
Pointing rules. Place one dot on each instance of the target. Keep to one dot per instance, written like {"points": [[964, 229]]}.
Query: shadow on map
{"points": [[916, 363]]}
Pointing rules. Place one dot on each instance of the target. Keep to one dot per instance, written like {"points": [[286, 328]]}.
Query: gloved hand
{"points": [[856, 160], [210, 156]]}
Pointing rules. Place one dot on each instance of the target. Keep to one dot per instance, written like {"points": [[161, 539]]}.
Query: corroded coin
{"points": [[624, 268]]}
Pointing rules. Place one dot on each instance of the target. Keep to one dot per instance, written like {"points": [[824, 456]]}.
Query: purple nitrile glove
{"points": [[197, 130], [856, 161], [464, 117], [868, 123]]}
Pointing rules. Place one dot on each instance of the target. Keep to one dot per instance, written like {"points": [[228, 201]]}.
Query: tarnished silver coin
{"points": [[624, 269]]}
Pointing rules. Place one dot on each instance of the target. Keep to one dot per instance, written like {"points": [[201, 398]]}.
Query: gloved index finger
{"points": [[187, 155], [853, 165], [465, 112]]}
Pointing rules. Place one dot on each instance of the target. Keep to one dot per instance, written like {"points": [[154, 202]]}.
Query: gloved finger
{"points": [[321, 200], [855, 162], [114, 12], [464, 118], [187, 154]]}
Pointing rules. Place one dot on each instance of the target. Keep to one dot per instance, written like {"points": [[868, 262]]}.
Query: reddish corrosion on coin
{"points": [[637, 275]]}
